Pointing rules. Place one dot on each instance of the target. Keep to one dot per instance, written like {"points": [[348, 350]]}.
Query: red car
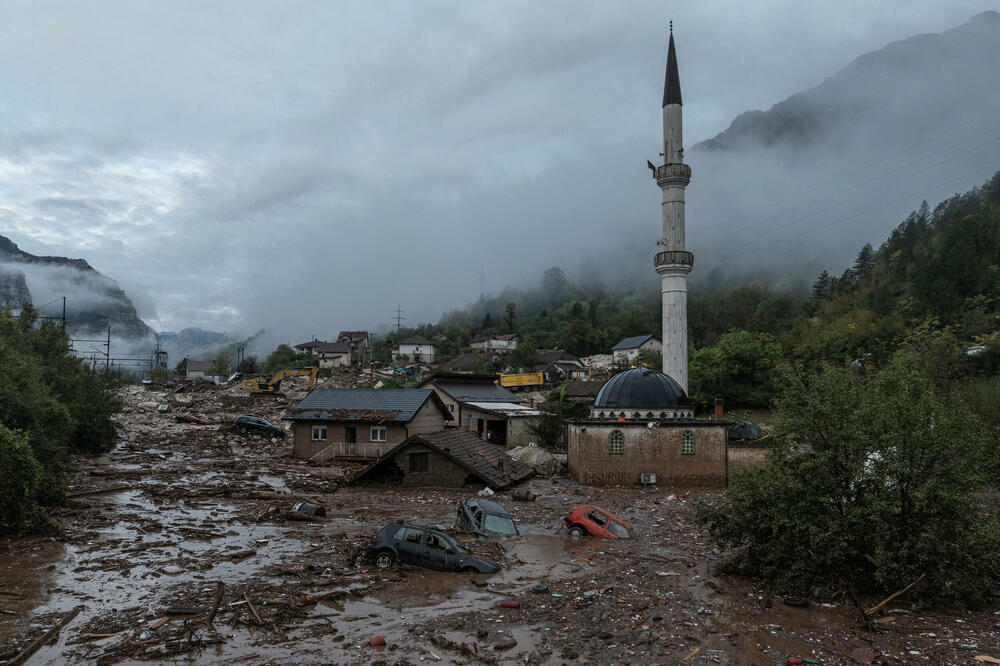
{"points": [[597, 522]]}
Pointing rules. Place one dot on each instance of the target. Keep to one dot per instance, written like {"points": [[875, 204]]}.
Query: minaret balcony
{"points": [[673, 174], [673, 258]]}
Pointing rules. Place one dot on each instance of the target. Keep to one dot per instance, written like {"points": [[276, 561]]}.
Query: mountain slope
{"points": [[906, 87], [93, 300]]}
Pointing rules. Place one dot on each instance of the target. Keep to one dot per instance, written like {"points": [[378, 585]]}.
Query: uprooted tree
{"points": [[876, 480]]}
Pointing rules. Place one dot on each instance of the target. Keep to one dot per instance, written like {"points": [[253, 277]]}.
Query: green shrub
{"points": [[20, 477], [875, 482]]}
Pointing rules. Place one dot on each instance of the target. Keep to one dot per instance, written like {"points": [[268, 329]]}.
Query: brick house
{"points": [[360, 424]]}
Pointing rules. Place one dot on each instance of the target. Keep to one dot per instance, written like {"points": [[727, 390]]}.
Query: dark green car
{"points": [[424, 547]]}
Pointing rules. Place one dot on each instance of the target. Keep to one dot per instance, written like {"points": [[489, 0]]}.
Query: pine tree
{"points": [[821, 287], [865, 262]]}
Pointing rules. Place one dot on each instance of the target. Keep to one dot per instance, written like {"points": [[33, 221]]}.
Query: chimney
{"points": [[718, 409]]}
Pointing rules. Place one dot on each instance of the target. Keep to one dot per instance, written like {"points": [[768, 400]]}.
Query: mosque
{"points": [[641, 428]]}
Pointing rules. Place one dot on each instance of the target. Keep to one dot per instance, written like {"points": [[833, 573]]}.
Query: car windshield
{"points": [[617, 529], [499, 524]]}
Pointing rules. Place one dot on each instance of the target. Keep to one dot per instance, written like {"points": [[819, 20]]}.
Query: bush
{"points": [[20, 477], [873, 484]]}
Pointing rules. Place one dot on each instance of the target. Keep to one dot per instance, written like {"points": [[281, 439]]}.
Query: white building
{"points": [[506, 342], [415, 348], [628, 349], [332, 354]]}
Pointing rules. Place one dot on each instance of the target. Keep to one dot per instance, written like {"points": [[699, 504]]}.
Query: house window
{"points": [[451, 409], [379, 434], [418, 462], [319, 433], [616, 441], [687, 441]]}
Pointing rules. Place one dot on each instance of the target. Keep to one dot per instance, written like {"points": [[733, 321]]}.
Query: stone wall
{"points": [[746, 456]]}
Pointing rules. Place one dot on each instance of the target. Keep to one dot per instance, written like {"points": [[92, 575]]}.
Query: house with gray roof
{"points": [[628, 349], [479, 404], [333, 354], [453, 458], [361, 424]]}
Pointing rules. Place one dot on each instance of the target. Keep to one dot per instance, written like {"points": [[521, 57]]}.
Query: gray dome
{"points": [[641, 387]]}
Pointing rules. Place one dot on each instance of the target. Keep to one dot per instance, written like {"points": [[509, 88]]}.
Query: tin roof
{"points": [[367, 405]]}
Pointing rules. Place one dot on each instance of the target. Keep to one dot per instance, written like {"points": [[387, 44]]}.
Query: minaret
{"points": [[674, 263]]}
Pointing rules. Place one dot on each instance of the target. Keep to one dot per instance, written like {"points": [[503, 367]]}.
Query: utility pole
{"points": [[399, 319]]}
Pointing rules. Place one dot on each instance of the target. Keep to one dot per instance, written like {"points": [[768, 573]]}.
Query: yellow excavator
{"points": [[265, 386]]}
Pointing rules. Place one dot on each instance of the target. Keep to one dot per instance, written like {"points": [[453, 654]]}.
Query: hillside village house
{"points": [[628, 349], [415, 348], [310, 346], [332, 354], [502, 343], [361, 424], [359, 342], [480, 405], [560, 365], [198, 368]]}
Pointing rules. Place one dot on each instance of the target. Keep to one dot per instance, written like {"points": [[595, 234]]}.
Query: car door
{"points": [[435, 555], [410, 546]]}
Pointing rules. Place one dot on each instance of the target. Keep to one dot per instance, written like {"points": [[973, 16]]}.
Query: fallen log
{"points": [[44, 638], [98, 491]]}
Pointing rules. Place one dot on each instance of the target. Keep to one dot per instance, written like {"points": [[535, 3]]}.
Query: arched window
{"points": [[687, 441], [616, 441]]}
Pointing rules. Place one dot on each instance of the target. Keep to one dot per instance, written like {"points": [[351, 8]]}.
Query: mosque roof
{"points": [[641, 387]]}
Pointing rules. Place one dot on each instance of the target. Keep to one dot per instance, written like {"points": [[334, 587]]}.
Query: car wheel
{"points": [[384, 559], [576, 531]]}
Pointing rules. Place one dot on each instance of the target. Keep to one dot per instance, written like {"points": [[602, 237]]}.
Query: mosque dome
{"points": [[640, 387]]}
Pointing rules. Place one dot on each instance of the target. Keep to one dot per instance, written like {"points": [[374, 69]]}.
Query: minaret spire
{"points": [[674, 263], [672, 80]]}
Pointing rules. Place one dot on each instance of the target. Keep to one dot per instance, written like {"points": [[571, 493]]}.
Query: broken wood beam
{"points": [[889, 598], [252, 609], [219, 589], [44, 638]]}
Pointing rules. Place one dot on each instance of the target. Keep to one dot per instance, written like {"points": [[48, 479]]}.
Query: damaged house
{"points": [[480, 405], [452, 458], [361, 424]]}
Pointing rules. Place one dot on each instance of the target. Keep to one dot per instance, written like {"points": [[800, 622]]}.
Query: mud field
{"points": [[155, 526]]}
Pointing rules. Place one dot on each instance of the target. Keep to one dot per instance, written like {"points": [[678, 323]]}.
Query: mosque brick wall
{"points": [[659, 450]]}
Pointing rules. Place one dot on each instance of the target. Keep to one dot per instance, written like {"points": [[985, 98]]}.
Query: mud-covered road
{"points": [[156, 525]]}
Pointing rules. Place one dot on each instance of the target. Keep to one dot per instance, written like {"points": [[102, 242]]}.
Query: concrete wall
{"points": [[304, 447], [746, 456], [427, 419], [656, 450], [455, 408], [518, 433]]}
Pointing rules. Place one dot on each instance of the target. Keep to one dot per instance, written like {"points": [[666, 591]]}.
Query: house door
{"points": [[351, 437]]}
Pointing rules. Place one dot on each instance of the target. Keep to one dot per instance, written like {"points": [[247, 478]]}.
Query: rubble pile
{"points": [[194, 542]]}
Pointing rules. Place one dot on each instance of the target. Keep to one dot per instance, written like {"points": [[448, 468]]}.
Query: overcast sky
{"points": [[306, 167]]}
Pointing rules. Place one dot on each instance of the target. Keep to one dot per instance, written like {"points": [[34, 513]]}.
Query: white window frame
{"points": [[321, 430], [376, 430]]}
